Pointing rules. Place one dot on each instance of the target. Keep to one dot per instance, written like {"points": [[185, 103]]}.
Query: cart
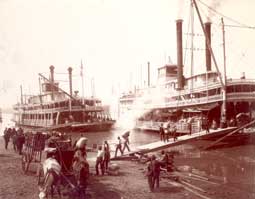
{"points": [[66, 183], [33, 147]]}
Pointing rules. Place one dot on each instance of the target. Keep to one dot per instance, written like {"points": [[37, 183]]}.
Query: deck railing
{"points": [[182, 127], [59, 109], [203, 100]]}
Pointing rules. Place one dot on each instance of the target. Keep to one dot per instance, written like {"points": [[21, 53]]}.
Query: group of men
{"points": [[167, 132], [121, 143], [103, 158], [17, 137], [104, 155]]}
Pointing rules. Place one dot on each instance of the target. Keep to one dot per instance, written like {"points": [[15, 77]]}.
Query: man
{"points": [[150, 175], [14, 139], [6, 137], [164, 159], [126, 142], [20, 140], [190, 127], [100, 160], [167, 131], [83, 181], [81, 166], [162, 132], [118, 147], [155, 171], [174, 132], [107, 155], [206, 125]]}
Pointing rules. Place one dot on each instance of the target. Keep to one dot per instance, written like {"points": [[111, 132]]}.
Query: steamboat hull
{"points": [[106, 126], [73, 127]]}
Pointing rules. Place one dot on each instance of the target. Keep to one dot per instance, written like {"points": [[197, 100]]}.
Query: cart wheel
{"points": [[25, 163], [40, 177]]}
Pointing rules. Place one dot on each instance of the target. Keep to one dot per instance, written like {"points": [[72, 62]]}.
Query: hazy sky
{"points": [[114, 38]]}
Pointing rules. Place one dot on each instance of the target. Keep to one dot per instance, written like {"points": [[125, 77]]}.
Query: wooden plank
{"points": [[198, 179], [160, 145], [198, 176], [182, 139], [176, 184], [196, 193], [193, 186]]}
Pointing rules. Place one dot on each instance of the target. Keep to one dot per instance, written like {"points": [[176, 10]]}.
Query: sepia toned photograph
{"points": [[127, 99]]}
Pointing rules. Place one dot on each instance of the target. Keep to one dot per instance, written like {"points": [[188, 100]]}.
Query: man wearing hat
{"points": [[155, 171]]}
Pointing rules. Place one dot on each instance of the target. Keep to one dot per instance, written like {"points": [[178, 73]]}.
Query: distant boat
{"points": [[55, 109], [204, 96]]}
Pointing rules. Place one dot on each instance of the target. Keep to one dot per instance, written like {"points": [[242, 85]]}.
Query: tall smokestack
{"points": [[52, 81], [179, 54], [148, 74], [52, 73], [207, 26], [21, 95], [70, 80]]}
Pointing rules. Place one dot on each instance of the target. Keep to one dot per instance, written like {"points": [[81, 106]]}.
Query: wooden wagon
{"points": [[33, 147], [63, 152]]}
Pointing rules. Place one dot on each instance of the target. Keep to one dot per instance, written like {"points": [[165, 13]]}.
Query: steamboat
{"points": [[204, 98], [55, 109]]}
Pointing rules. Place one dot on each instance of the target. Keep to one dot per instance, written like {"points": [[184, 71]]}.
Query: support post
{"points": [[70, 87]]}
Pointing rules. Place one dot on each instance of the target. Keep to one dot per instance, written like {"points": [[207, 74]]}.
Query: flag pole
{"points": [[82, 82]]}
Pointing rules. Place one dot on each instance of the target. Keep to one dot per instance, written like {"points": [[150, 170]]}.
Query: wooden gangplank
{"points": [[160, 145]]}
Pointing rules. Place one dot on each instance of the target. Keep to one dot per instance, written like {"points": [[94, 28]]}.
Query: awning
{"points": [[207, 107], [200, 108], [191, 110]]}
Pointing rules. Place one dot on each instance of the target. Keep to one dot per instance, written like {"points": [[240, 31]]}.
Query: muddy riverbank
{"points": [[131, 183]]}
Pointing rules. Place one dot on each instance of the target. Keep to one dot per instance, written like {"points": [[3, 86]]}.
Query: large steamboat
{"points": [[55, 109], [206, 97]]}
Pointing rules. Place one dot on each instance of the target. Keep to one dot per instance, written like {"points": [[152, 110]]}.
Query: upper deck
{"points": [[201, 93]]}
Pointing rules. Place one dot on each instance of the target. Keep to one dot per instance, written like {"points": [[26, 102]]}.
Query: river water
{"points": [[233, 165]]}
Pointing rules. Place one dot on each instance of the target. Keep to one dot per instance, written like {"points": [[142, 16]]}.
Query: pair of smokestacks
{"points": [[52, 80], [180, 77]]}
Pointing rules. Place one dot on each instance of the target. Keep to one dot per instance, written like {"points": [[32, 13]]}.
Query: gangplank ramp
{"points": [[184, 139], [160, 145]]}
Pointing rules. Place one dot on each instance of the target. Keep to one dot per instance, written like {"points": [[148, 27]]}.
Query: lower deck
{"points": [[62, 119]]}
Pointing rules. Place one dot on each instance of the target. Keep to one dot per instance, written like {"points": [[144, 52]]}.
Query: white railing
{"points": [[203, 100], [210, 85], [182, 127], [76, 108], [241, 96], [241, 81], [38, 122], [193, 101]]}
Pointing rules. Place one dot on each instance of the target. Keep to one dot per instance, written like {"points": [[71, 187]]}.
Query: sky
{"points": [[114, 39]]}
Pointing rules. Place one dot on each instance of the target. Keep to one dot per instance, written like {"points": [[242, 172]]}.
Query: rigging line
{"points": [[204, 13], [186, 42], [235, 26], [222, 15]]}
